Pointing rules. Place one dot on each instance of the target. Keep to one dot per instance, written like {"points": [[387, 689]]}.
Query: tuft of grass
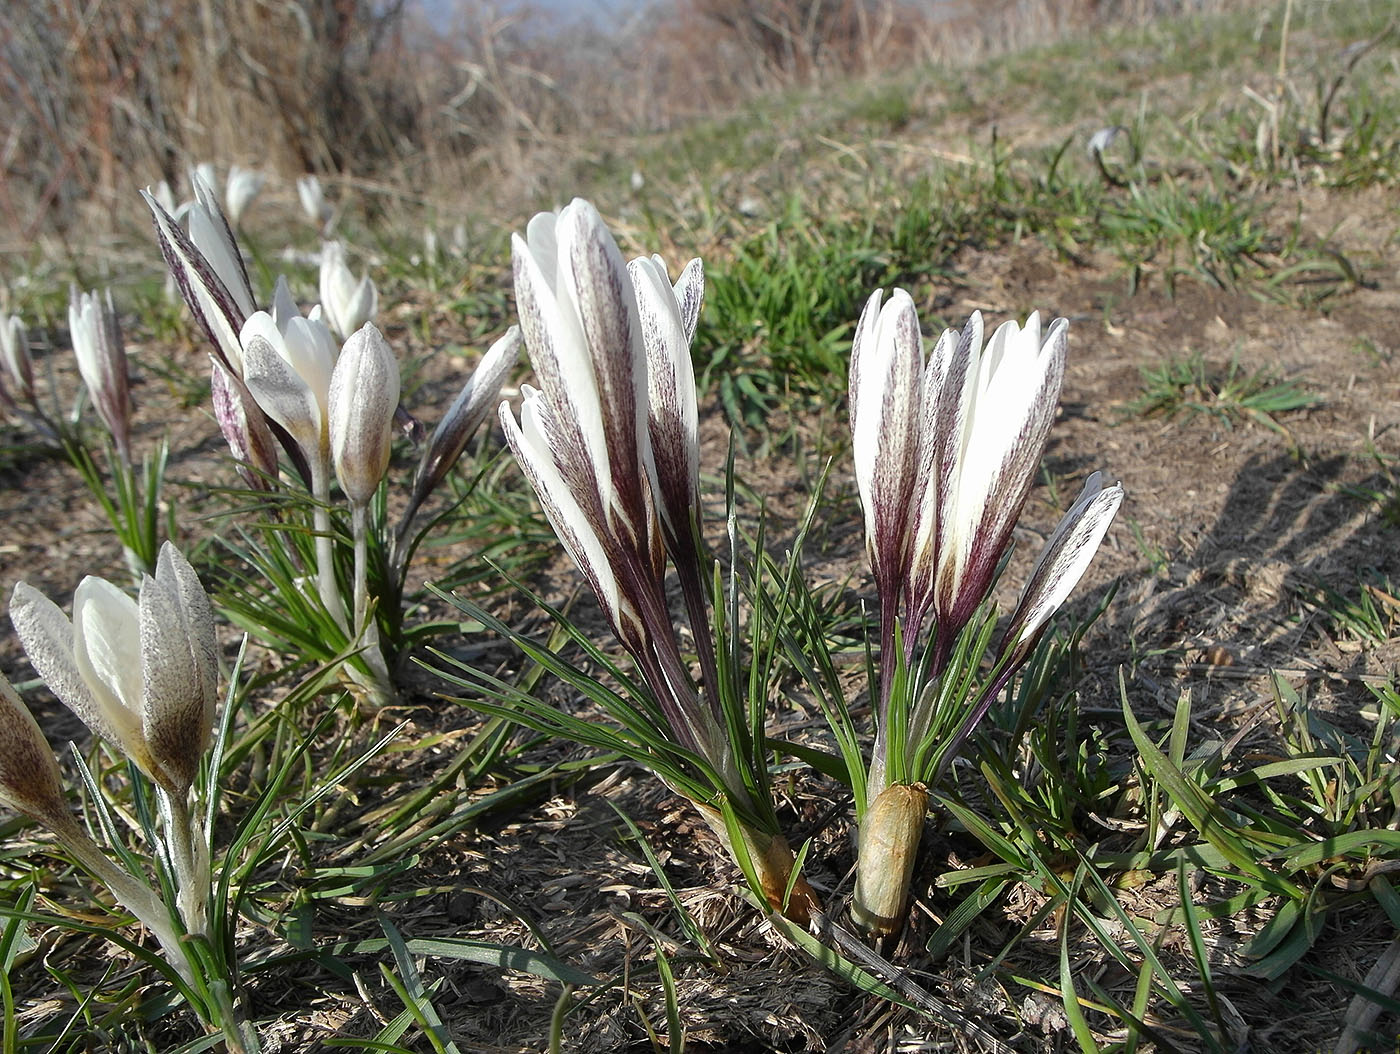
{"points": [[1229, 393]]}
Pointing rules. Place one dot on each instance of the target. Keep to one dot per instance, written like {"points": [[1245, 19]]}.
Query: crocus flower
{"points": [[946, 451], [208, 268], [346, 303], [364, 393], [19, 367], [244, 184], [287, 365], [141, 674], [608, 443], [471, 407], [582, 438], [313, 199], [97, 343]]}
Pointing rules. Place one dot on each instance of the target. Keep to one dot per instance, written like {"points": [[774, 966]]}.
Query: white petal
{"points": [[576, 531], [1066, 557], [107, 646]]}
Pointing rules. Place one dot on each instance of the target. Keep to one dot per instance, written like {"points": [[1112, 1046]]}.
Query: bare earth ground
{"points": [[1229, 526]]}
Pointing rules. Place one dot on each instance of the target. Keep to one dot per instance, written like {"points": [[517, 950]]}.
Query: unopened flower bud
{"points": [[364, 394], [29, 779], [19, 367], [97, 342]]}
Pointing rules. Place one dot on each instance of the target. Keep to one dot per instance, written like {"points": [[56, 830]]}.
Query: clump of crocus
{"points": [[609, 443], [283, 378], [946, 450], [143, 675]]}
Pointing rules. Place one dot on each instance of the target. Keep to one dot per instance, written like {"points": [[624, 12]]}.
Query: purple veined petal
{"points": [[579, 534], [212, 235], [593, 277], [557, 349], [673, 418], [466, 414], [1004, 435], [943, 370], [887, 411], [1065, 558], [215, 309], [244, 427], [862, 344], [29, 779], [363, 396], [690, 295]]}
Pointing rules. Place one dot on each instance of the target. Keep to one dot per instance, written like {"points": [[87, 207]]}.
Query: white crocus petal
{"points": [[165, 197], [348, 303], [205, 173], [213, 237], [97, 343], [1065, 558], [363, 396], [47, 636], [243, 186], [578, 534], [886, 373], [284, 306], [289, 376], [673, 416], [313, 199], [106, 645], [14, 346]]}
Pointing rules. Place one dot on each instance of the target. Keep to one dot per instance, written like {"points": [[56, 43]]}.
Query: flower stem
{"points": [[325, 544], [366, 629], [191, 880]]}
